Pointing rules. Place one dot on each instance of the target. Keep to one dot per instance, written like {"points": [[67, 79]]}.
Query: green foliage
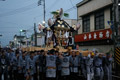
{"points": [[57, 13], [66, 14], [54, 13]]}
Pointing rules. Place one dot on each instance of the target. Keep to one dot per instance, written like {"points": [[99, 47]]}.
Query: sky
{"points": [[22, 14]]}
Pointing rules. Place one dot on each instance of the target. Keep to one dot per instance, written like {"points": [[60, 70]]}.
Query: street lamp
{"points": [[44, 12], [20, 35], [43, 22], [0, 41], [23, 31]]}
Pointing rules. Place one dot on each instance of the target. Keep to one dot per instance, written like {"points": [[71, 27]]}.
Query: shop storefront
{"points": [[101, 39]]}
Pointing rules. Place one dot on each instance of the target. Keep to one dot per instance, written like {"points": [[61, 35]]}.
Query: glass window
{"points": [[99, 20], [86, 24]]}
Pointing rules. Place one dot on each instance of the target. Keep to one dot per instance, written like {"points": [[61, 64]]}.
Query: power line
{"points": [[29, 29], [14, 24], [8, 27], [8, 32], [71, 2], [49, 8], [70, 9], [19, 10]]}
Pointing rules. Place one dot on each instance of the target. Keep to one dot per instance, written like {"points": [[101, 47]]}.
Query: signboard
{"points": [[96, 35]]}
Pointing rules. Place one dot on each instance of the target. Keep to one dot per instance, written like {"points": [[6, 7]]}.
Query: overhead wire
{"points": [[55, 3], [30, 6], [71, 2], [19, 10], [70, 9], [48, 9], [23, 9], [12, 23]]}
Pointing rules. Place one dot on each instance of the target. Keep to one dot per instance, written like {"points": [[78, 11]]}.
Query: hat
{"points": [[92, 54]]}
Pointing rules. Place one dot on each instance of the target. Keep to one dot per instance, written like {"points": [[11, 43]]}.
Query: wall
{"points": [[102, 48], [92, 21], [92, 6], [71, 21], [106, 17], [89, 7], [74, 21], [81, 28], [40, 41]]}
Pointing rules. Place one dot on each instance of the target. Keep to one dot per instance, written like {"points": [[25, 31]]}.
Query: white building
{"points": [[19, 41], [95, 31], [71, 22], [40, 39]]}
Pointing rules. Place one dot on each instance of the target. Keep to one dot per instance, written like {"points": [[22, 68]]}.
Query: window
{"points": [[86, 24], [99, 20]]}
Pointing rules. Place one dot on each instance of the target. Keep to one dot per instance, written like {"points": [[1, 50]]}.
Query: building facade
{"points": [[71, 22], [95, 31], [40, 39], [19, 41]]}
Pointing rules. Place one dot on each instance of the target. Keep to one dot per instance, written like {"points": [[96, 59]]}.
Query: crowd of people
{"points": [[54, 65]]}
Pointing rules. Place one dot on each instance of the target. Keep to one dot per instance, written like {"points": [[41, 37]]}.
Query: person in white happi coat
{"points": [[74, 63], [14, 62], [4, 65], [89, 66], [108, 66], [58, 66], [65, 64], [98, 64], [30, 67], [83, 66], [22, 62], [51, 65]]}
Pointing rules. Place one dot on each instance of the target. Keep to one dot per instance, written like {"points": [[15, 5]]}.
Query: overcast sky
{"points": [[21, 14]]}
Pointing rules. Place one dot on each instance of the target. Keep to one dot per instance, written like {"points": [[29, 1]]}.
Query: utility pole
{"points": [[35, 34], [44, 20], [44, 14], [0, 40], [20, 38], [114, 33], [116, 37], [44, 11]]}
